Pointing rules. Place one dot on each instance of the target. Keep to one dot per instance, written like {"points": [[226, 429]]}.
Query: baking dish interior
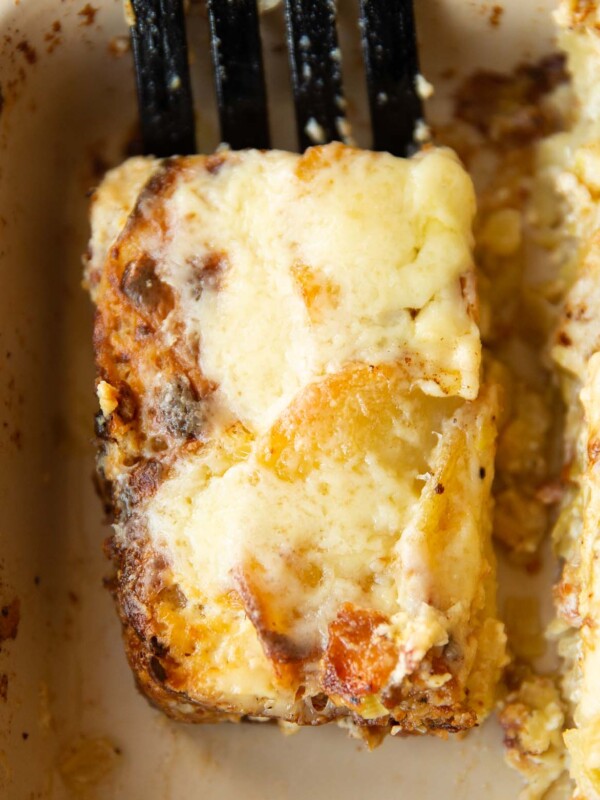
{"points": [[67, 112]]}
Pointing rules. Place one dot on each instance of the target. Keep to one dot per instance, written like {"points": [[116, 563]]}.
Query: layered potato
{"points": [[295, 444]]}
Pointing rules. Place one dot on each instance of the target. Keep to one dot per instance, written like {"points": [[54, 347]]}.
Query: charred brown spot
{"points": [[214, 163], [160, 182], [283, 649], [319, 701], [358, 660], [265, 613], [146, 478], [158, 648], [127, 402], [439, 489], [179, 410], [28, 51], [88, 14], [564, 339], [10, 616], [206, 272], [142, 332], [144, 289], [143, 482], [149, 211], [157, 670], [414, 312]]}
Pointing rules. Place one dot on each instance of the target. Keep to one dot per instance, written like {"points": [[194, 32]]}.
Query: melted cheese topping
{"points": [[339, 256], [349, 453], [400, 526], [331, 523]]}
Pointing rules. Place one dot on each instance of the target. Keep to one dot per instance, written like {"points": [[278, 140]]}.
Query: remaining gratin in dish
{"points": [[562, 216], [295, 444], [572, 161]]}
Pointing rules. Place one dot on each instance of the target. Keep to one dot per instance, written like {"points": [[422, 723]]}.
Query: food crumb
{"points": [[314, 131], [88, 13], [28, 51], [118, 46], [496, 16], [423, 87], [86, 762], [422, 132], [52, 37], [9, 620]]}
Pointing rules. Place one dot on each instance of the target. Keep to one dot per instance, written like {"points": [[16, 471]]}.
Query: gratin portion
{"points": [[572, 160], [294, 443]]}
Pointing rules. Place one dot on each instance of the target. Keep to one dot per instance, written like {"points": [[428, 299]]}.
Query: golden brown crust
{"points": [[354, 667], [358, 661]]}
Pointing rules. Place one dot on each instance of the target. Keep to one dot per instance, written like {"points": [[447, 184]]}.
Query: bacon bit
{"points": [[358, 661]]}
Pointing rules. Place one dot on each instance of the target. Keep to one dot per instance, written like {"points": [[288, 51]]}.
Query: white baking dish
{"points": [[68, 107]]}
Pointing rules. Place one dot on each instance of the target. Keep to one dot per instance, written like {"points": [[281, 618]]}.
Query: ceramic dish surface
{"points": [[71, 721]]}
